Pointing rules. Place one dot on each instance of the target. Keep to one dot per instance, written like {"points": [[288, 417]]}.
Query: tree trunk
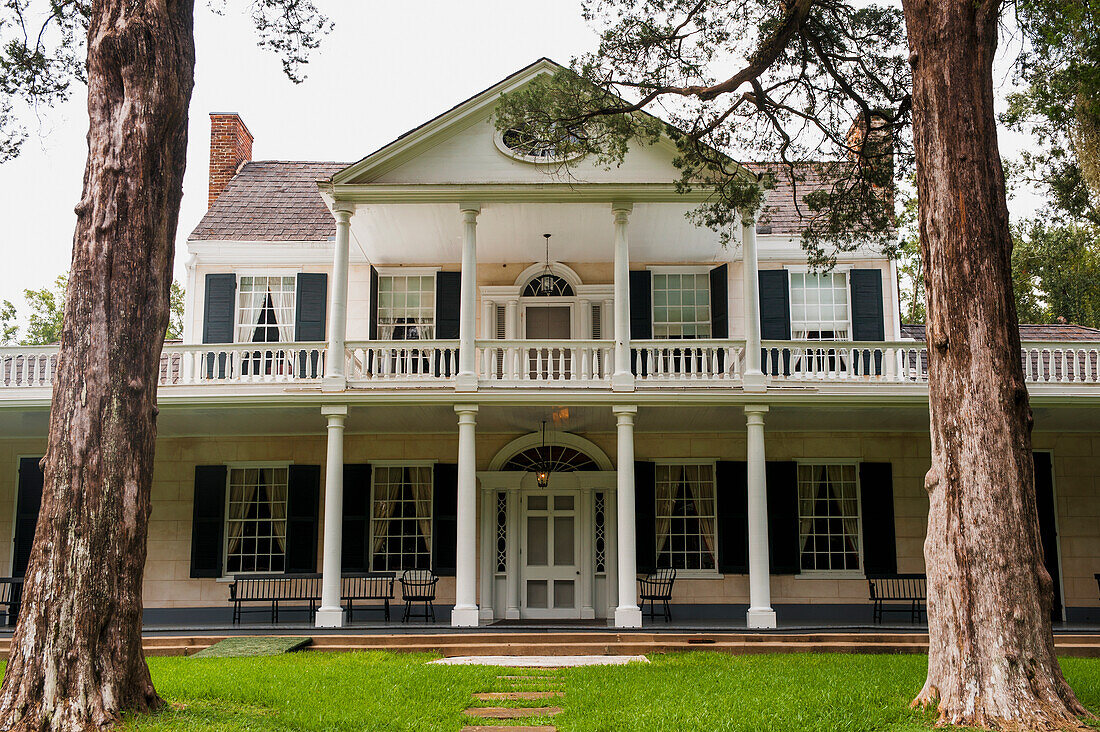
{"points": [[76, 661], [991, 659]]}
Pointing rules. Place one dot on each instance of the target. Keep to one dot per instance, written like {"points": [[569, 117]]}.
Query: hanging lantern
{"points": [[547, 280], [542, 475]]}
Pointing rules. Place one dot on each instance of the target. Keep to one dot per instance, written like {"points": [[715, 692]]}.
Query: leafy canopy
{"points": [[820, 89]]}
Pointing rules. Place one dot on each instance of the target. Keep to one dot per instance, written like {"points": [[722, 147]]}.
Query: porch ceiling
{"points": [[430, 233]]}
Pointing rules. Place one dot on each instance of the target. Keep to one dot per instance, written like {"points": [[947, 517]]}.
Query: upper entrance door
{"points": [[551, 572], [553, 323]]}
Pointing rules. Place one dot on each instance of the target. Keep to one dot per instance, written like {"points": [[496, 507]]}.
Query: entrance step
{"points": [[512, 712], [517, 695]]}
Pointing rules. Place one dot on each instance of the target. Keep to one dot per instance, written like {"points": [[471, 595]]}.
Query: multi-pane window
{"points": [[685, 516], [406, 307], [819, 306], [401, 518], [828, 517], [681, 305], [265, 309], [255, 526]]}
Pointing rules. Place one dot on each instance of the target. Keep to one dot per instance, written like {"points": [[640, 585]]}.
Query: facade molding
{"points": [[554, 438]]}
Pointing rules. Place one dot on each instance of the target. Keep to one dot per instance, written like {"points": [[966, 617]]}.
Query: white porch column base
{"points": [[761, 617], [331, 614], [465, 613], [628, 617]]}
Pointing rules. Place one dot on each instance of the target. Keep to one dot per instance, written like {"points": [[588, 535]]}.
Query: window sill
{"points": [[824, 574], [698, 574]]}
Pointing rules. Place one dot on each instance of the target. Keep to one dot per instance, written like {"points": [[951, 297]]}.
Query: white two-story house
{"points": [[443, 357]]}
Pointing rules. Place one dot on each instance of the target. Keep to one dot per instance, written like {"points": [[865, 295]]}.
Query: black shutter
{"points": [[645, 516], [641, 301], [372, 326], [782, 478], [876, 491], [733, 517], [1048, 536], [775, 317], [26, 513], [448, 292], [303, 502], [867, 321], [208, 521], [312, 295], [719, 302], [355, 548], [218, 310], [444, 518]]}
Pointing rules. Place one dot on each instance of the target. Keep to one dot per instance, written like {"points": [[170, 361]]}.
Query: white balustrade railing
{"points": [[902, 362], [27, 366], [576, 362], [1061, 363], [386, 361], [686, 360], [241, 363]]}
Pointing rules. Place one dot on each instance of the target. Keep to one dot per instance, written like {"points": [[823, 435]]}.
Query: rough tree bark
{"points": [[76, 661], [991, 659]]}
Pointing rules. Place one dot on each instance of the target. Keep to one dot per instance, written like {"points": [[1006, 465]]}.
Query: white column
{"points": [[760, 613], [511, 332], [466, 379], [331, 614], [189, 302], [335, 376], [465, 613], [488, 552], [627, 614], [752, 378], [622, 379], [512, 573]]}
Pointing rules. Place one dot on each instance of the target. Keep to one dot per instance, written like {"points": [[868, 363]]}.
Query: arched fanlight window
{"points": [[537, 287], [553, 458]]}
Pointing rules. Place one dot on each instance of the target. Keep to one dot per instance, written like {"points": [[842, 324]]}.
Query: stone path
{"points": [[524, 688]]}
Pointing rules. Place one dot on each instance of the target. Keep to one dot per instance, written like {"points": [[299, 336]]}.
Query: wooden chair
{"points": [[418, 586], [657, 587]]}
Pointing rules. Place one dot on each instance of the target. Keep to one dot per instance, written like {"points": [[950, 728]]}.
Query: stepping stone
{"points": [[518, 695], [512, 712], [509, 728]]}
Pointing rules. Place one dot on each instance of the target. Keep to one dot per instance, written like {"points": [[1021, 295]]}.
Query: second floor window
{"points": [[685, 516], [265, 309], [406, 307], [819, 306], [681, 305], [401, 518]]}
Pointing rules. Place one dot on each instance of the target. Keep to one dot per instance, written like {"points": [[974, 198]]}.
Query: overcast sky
{"points": [[386, 68]]}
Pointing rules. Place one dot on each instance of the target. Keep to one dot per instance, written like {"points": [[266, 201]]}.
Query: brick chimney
{"points": [[230, 145]]}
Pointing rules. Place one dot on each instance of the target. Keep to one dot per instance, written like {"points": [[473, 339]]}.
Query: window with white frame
{"points": [[819, 306], [406, 307], [681, 305], [828, 517], [401, 518], [255, 524], [265, 309], [686, 514]]}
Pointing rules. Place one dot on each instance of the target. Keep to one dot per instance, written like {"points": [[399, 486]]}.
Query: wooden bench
{"points": [[369, 586], [274, 590], [657, 587], [11, 594], [908, 592]]}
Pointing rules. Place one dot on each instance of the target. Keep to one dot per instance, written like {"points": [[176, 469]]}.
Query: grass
{"points": [[252, 645], [690, 691]]}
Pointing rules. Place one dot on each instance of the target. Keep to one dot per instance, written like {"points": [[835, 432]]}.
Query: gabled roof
{"points": [[271, 201], [1028, 332]]}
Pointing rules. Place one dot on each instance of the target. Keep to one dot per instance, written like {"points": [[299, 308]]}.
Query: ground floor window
{"points": [[828, 517], [256, 520], [685, 516], [401, 518]]}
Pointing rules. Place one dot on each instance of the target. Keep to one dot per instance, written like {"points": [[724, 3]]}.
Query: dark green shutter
{"points": [[1048, 535], [208, 521], [733, 517], [448, 293], [218, 310], [876, 490], [312, 296], [645, 514], [303, 505], [775, 317], [372, 326], [867, 320], [444, 518], [719, 302], [355, 547], [641, 302], [783, 544], [27, 504]]}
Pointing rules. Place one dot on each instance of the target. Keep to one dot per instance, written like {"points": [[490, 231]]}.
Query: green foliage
{"points": [[1056, 271], [1060, 104], [818, 87], [909, 262], [46, 308]]}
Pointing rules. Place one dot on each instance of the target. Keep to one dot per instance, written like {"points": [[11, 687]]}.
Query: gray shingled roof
{"points": [[271, 200], [1052, 332]]}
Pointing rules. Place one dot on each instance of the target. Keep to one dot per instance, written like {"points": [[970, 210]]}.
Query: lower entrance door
{"points": [[551, 569]]}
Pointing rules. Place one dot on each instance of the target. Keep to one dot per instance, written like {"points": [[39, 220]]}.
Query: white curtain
{"points": [[842, 478], [276, 491], [666, 499], [386, 492], [242, 492], [256, 305], [421, 479], [703, 498], [283, 304], [807, 490]]}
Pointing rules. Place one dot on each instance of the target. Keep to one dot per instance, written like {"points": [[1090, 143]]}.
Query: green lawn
{"points": [[694, 691]]}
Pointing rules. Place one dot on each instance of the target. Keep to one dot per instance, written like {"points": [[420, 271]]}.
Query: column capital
{"points": [[343, 210], [748, 216], [624, 414], [334, 410], [470, 207], [468, 411], [754, 414], [621, 211]]}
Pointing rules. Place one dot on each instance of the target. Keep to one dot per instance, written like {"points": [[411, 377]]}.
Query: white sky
{"points": [[386, 68]]}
